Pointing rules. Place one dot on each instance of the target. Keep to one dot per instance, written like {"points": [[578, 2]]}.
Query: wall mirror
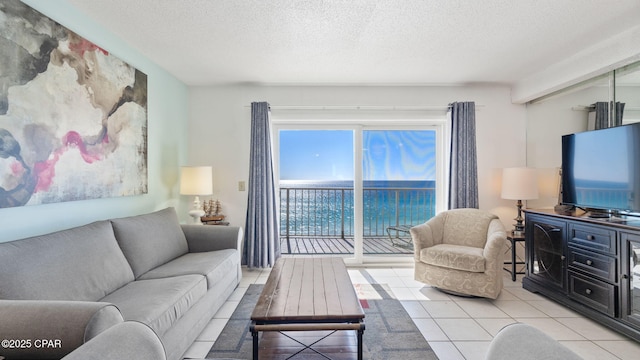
{"points": [[563, 112], [627, 93], [607, 100]]}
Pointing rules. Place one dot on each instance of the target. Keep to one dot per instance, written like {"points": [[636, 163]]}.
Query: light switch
{"points": [[241, 186]]}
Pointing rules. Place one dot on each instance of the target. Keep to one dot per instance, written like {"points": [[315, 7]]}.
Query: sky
{"points": [[328, 155], [606, 151]]}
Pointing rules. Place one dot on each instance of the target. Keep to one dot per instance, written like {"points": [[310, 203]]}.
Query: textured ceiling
{"points": [[205, 42]]}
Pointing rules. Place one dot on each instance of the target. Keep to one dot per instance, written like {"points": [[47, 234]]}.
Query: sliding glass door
{"points": [[355, 190], [316, 170], [399, 183]]}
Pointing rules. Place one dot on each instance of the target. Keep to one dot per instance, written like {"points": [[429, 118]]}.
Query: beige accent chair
{"points": [[461, 251]]}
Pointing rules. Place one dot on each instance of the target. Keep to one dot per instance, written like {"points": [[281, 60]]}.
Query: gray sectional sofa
{"points": [[74, 285]]}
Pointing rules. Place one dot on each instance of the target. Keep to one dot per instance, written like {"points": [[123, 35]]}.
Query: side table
{"points": [[515, 259], [222, 223], [398, 240]]}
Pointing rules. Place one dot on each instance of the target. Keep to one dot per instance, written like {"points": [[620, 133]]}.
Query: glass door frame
{"points": [[437, 124]]}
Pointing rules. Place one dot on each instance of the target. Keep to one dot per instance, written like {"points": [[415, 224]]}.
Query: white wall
{"points": [[219, 130], [630, 95], [167, 116]]}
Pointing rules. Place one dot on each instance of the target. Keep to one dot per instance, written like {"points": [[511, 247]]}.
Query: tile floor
{"points": [[457, 327]]}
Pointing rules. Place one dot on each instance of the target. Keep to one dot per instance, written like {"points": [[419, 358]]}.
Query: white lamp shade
{"points": [[196, 180], [519, 183]]}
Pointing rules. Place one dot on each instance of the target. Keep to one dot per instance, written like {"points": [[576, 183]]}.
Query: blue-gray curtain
{"points": [[261, 245], [602, 115], [463, 169], [601, 109], [619, 113]]}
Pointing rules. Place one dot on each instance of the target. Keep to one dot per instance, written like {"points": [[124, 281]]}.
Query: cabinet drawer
{"points": [[593, 237], [596, 294], [601, 266]]}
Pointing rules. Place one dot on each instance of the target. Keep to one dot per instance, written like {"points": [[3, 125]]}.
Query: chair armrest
{"points": [[494, 247], [427, 234], [202, 238], [128, 340], [423, 237], [44, 329], [524, 342]]}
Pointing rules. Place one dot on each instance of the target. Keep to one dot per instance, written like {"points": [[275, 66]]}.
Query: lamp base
{"points": [[196, 215], [519, 225]]}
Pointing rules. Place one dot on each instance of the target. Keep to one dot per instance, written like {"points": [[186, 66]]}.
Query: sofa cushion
{"points": [[83, 263], [150, 240], [158, 303], [454, 257], [214, 265]]}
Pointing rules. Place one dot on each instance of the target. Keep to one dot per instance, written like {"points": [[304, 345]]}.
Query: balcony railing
{"points": [[328, 211]]}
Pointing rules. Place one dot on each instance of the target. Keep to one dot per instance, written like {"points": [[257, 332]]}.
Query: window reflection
{"points": [[635, 278]]}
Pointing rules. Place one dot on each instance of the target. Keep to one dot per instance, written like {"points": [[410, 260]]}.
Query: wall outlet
{"points": [[242, 186]]}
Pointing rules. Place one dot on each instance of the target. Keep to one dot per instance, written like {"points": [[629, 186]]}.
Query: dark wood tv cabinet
{"points": [[590, 265]]}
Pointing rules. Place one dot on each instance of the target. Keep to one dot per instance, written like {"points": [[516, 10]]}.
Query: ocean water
{"points": [[325, 208], [604, 195]]}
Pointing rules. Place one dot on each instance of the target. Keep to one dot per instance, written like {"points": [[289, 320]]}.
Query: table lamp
{"points": [[519, 183], [196, 180]]}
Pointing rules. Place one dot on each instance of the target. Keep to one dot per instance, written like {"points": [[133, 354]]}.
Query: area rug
{"points": [[389, 334]]}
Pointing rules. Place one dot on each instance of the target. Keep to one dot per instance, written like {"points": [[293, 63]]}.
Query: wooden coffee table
{"points": [[308, 294]]}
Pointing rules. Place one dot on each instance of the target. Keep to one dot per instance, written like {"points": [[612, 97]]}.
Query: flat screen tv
{"points": [[601, 169]]}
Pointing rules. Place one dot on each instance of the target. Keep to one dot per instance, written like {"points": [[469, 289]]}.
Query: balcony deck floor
{"points": [[335, 245]]}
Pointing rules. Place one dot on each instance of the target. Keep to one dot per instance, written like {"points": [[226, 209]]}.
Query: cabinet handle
{"points": [[625, 276], [589, 262], [590, 237], [588, 291], [562, 257]]}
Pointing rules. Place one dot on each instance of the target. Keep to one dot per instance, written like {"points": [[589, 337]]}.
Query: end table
{"points": [[515, 259]]}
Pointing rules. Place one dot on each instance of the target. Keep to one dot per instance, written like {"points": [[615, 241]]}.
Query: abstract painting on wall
{"points": [[73, 117]]}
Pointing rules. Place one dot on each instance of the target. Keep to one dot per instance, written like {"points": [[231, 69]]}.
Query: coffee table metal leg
{"points": [[360, 332], [254, 334]]}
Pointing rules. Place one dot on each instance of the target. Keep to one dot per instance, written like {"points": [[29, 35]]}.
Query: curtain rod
{"points": [[364, 107], [583, 108], [592, 107]]}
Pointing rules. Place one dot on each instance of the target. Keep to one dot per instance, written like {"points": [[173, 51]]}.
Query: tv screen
{"points": [[600, 169]]}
